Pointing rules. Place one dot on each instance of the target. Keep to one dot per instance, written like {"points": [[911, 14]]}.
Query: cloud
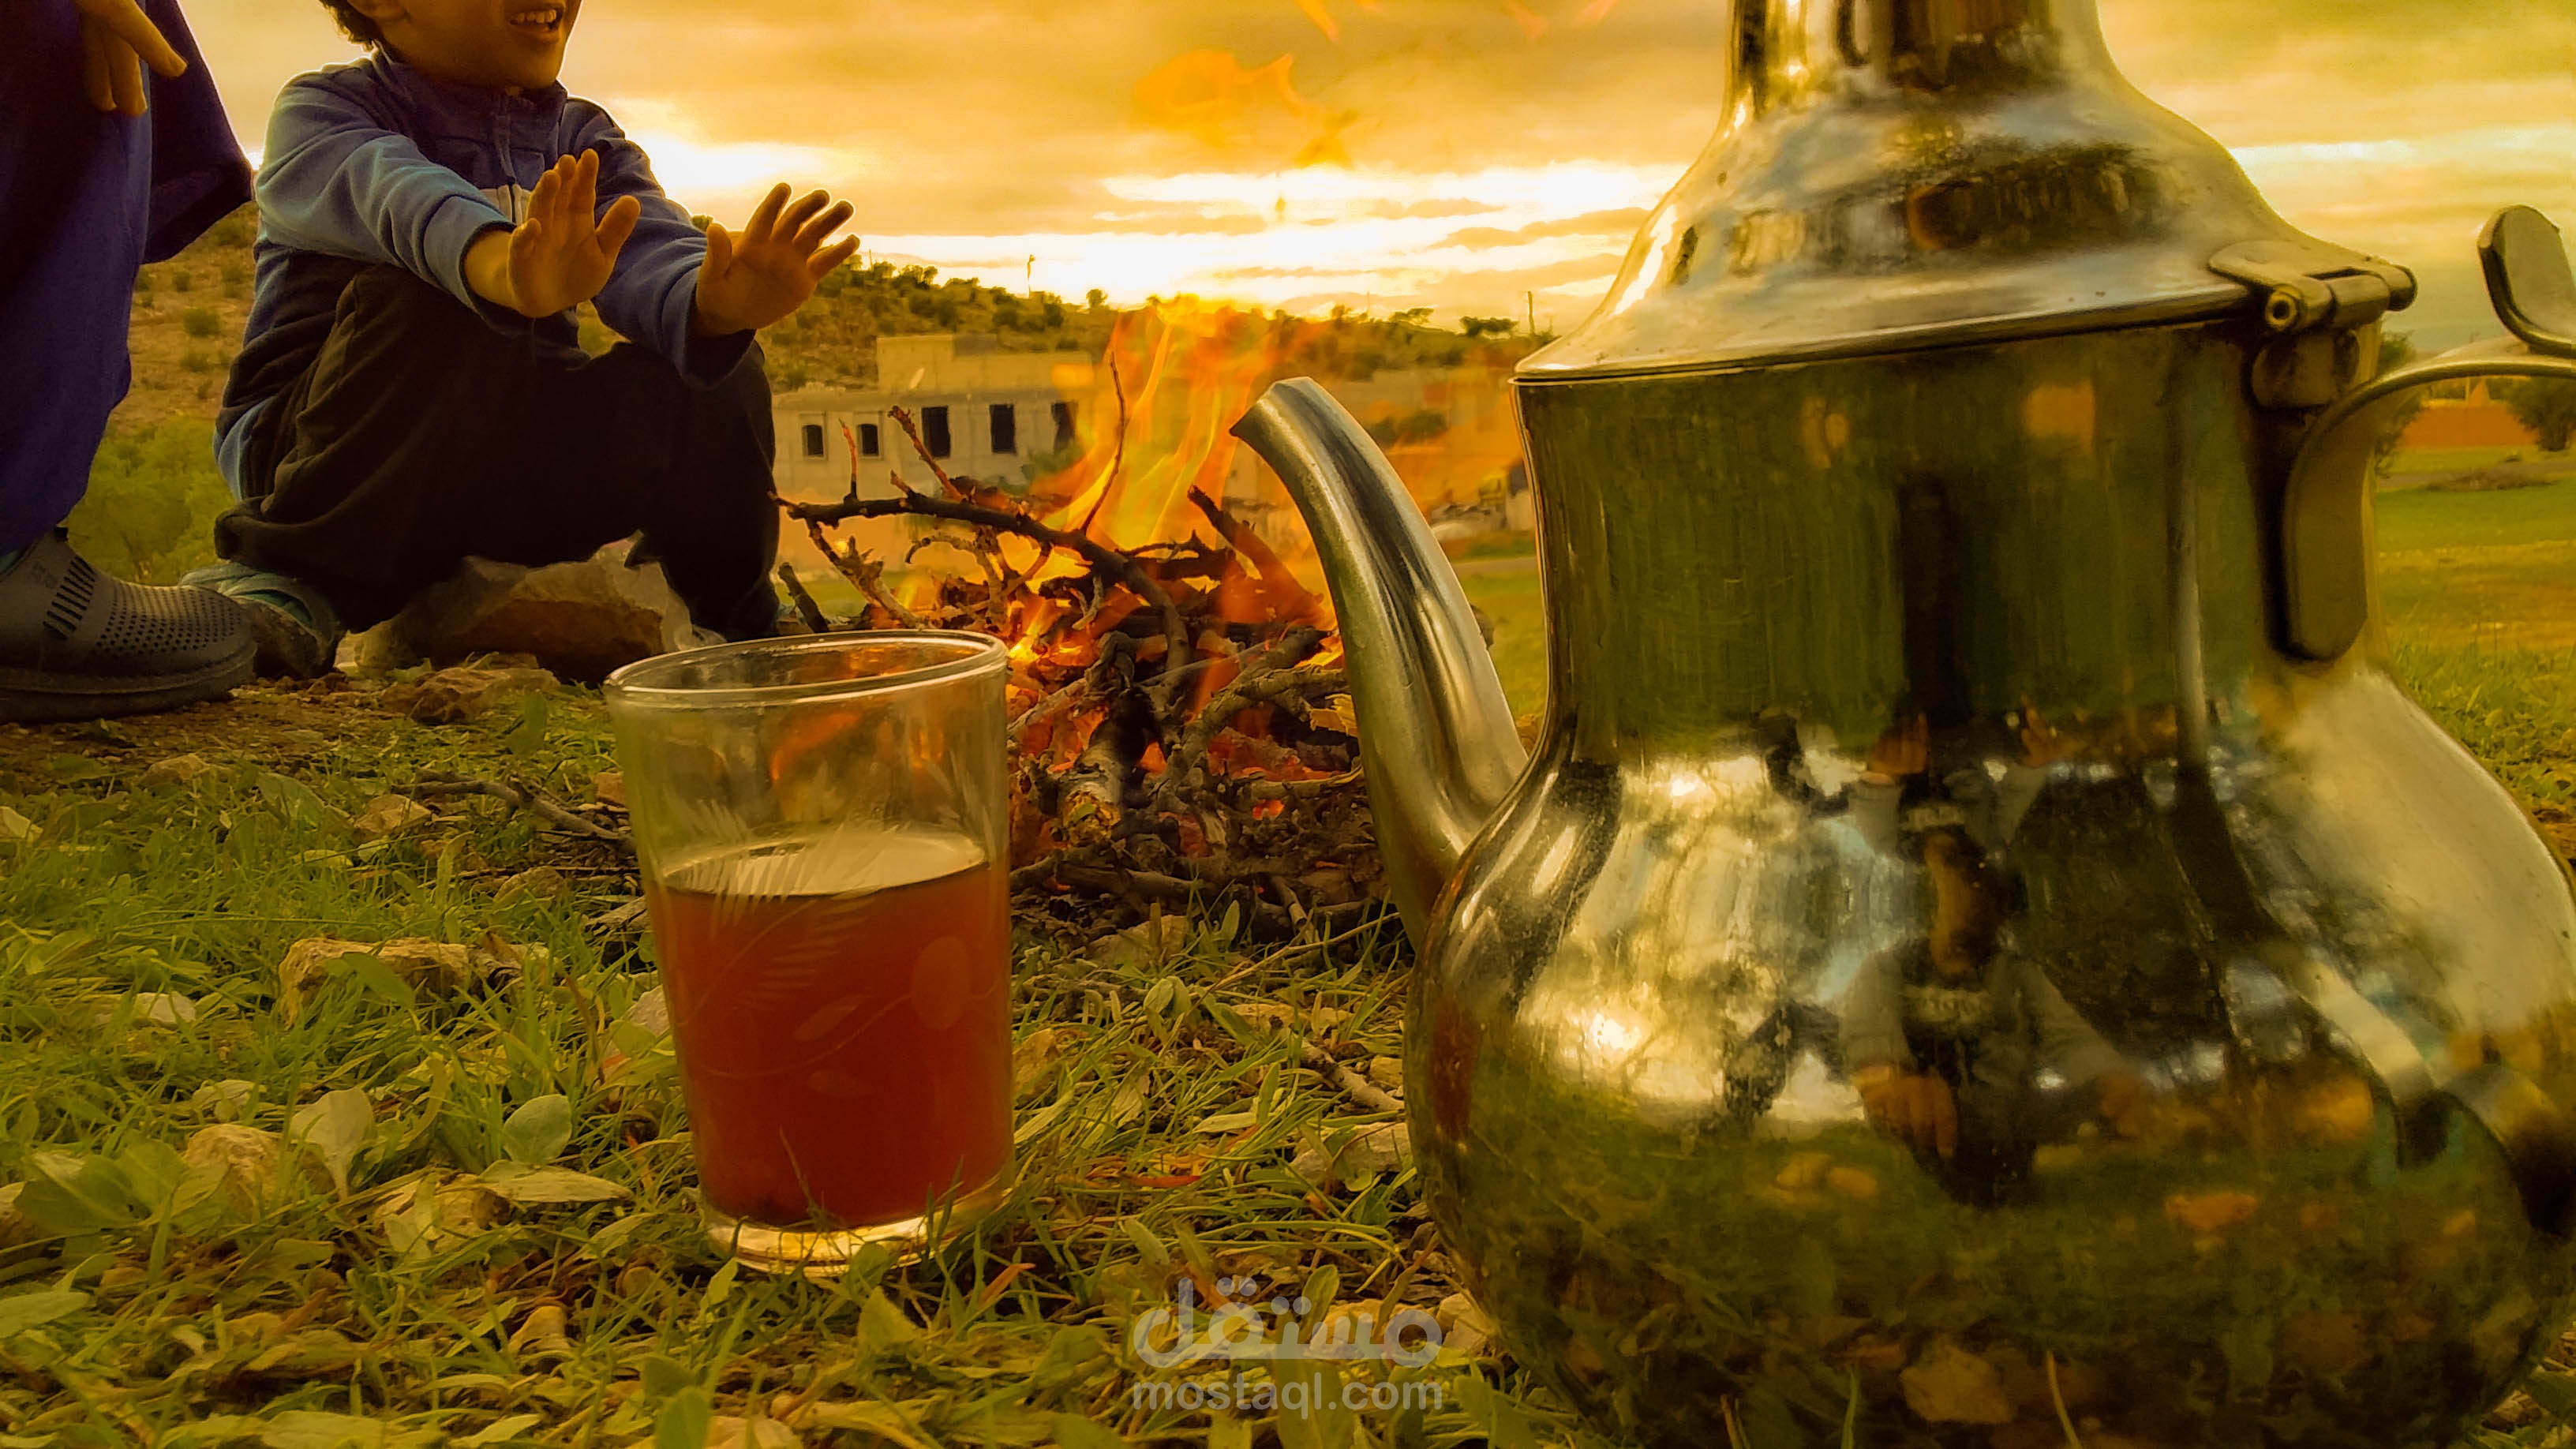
{"points": [[983, 128], [1622, 223]]}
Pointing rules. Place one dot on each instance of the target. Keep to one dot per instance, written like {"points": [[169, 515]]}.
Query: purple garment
{"points": [[86, 198]]}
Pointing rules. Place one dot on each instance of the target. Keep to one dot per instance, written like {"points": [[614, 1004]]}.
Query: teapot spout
{"points": [[1436, 734]]}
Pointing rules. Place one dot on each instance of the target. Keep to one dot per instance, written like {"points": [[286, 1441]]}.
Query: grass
{"points": [[2417, 461], [147, 1297], [152, 1296]]}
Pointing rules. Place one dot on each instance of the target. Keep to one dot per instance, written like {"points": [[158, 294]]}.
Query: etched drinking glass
{"points": [[822, 827]]}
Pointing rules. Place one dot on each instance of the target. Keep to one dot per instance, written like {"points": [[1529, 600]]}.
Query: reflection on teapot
{"points": [[1980, 941]]}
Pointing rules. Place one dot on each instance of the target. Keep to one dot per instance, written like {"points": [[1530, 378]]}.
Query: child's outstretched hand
{"points": [[765, 274], [563, 253]]}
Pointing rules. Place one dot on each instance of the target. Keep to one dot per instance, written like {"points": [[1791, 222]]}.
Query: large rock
{"points": [[584, 621]]}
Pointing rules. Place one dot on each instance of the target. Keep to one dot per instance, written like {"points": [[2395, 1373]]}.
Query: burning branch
{"points": [[1002, 516], [1172, 740]]}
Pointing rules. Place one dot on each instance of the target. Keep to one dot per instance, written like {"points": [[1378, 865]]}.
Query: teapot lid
{"points": [[1895, 175]]}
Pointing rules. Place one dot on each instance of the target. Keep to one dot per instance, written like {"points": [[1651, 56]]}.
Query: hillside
{"points": [[189, 314]]}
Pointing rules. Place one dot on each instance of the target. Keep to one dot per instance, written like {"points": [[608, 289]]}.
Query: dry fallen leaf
{"points": [[177, 770], [14, 1227], [541, 1335], [1382, 1147], [1950, 1385], [245, 1162], [435, 1210], [2209, 1212], [1034, 1059], [390, 815]]}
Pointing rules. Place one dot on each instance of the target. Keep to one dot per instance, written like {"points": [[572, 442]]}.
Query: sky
{"points": [[1472, 156]]}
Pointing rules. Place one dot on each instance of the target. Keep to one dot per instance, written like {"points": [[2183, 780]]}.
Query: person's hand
{"points": [[1902, 753], [2039, 747], [1915, 1106], [765, 274], [563, 253], [117, 41]]}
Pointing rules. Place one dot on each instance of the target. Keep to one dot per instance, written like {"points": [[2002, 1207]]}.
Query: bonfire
{"points": [[1181, 731]]}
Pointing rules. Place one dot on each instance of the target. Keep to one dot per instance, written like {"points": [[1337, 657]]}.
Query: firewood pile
{"points": [[1181, 731]]}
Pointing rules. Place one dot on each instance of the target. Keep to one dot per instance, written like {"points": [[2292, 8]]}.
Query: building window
{"points": [[1064, 429], [934, 431], [1006, 428], [813, 440], [871, 444]]}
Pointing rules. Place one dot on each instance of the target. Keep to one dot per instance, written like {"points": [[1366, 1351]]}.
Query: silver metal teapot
{"points": [[1982, 951]]}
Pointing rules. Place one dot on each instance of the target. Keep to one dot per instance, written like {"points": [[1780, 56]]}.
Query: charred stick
{"points": [[1117, 460], [1264, 687], [865, 574], [1301, 789], [535, 802], [1100, 556], [1116, 650], [806, 608], [1360, 1089], [903, 420]]}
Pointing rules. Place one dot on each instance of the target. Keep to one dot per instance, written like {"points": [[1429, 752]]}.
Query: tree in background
{"points": [[2546, 406], [153, 499]]}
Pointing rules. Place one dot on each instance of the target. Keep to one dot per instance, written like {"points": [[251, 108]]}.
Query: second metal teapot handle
{"points": [[2325, 545]]}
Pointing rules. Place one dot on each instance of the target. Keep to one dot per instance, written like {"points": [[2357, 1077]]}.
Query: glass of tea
{"points": [[823, 833]]}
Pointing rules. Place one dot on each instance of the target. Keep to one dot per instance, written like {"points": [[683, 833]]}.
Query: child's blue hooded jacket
{"points": [[375, 164]]}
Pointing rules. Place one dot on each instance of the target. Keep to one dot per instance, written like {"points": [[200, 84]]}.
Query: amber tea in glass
{"points": [[821, 823]]}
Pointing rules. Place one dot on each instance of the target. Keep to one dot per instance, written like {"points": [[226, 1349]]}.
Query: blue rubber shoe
{"points": [[298, 629]]}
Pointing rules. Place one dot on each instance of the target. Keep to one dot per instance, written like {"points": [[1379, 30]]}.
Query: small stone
{"points": [[608, 787], [1463, 1325], [1387, 1072], [583, 621], [178, 770], [651, 1014], [388, 815], [454, 696]]}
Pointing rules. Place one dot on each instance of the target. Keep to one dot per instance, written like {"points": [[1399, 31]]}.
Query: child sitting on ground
{"points": [[412, 390]]}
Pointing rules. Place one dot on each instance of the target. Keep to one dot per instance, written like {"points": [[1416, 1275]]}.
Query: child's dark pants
{"points": [[421, 435]]}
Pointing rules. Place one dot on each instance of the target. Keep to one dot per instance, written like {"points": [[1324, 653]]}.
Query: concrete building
{"points": [[984, 414], [1009, 419], [2473, 420]]}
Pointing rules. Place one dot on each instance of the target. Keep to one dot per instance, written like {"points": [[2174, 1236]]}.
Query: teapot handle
{"points": [[2324, 541]]}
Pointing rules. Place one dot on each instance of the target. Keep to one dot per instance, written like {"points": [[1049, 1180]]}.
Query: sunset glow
{"points": [[1471, 156]]}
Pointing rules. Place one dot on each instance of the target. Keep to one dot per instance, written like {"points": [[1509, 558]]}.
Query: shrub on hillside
{"points": [[153, 499], [201, 322]]}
